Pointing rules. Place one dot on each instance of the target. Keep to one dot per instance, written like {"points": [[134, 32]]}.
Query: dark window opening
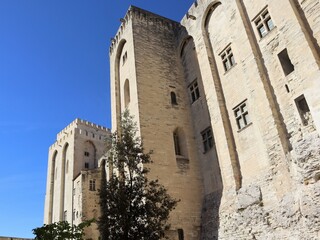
{"points": [[227, 59], [194, 91], [87, 154], [207, 139], [180, 234], [86, 165], [177, 148], [173, 98], [287, 88], [303, 109], [241, 114], [285, 61]]}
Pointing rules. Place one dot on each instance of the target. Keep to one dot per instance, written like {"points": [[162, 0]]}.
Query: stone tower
{"points": [[147, 81], [228, 101], [73, 178]]}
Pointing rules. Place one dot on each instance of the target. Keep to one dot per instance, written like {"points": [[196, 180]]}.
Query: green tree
{"points": [[132, 206], [61, 231]]}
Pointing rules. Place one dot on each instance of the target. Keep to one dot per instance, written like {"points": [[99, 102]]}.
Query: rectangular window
{"points": [[86, 165], [227, 58], [194, 91], [264, 23], [303, 109], [285, 61], [92, 185], [87, 154], [241, 115], [207, 139]]}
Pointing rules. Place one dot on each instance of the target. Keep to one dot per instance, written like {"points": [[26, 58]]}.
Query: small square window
{"points": [[227, 58], [194, 91], [207, 139], [87, 154], [241, 115], [264, 23]]}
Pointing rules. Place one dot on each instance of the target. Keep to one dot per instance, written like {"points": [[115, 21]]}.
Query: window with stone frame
{"points": [[207, 139], [227, 58], [92, 185], [87, 154], [194, 91], [263, 22], [241, 114]]}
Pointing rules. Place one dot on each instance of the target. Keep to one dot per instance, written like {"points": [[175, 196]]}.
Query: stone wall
{"points": [[260, 180]]}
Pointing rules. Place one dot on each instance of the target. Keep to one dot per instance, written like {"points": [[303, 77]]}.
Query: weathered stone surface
{"points": [[248, 196], [306, 155]]}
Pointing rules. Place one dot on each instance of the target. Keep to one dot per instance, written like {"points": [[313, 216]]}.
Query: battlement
{"points": [[141, 14], [100, 133]]}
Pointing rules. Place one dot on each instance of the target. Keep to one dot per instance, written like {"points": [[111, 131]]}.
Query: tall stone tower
{"points": [[73, 178], [146, 80], [228, 100]]}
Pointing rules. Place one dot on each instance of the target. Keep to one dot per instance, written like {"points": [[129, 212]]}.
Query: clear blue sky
{"points": [[54, 67]]}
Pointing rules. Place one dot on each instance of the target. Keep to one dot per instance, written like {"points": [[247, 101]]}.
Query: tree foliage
{"points": [[61, 231], [132, 206]]}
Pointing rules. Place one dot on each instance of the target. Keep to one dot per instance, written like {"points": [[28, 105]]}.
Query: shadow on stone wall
{"points": [[210, 215]]}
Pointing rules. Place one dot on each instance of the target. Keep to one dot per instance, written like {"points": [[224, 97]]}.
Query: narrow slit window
{"points": [[173, 98], [126, 93], [285, 61], [176, 141]]}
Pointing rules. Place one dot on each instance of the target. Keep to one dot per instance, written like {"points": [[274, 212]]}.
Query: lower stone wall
{"points": [[263, 210], [294, 217]]}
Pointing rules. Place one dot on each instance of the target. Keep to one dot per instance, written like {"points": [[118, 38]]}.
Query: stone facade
{"points": [[73, 176], [228, 101]]}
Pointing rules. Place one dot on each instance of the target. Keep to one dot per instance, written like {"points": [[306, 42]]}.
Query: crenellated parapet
{"points": [[82, 127], [142, 15]]}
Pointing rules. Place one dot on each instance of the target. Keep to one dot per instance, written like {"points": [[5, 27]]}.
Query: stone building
{"points": [[228, 101], [73, 176]]}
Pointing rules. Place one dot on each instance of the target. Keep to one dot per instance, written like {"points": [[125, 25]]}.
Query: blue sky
{"points": [[54, 67]]}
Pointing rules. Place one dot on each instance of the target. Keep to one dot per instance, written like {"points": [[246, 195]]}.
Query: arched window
{"points": [[126, 93], [173, 98]]}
